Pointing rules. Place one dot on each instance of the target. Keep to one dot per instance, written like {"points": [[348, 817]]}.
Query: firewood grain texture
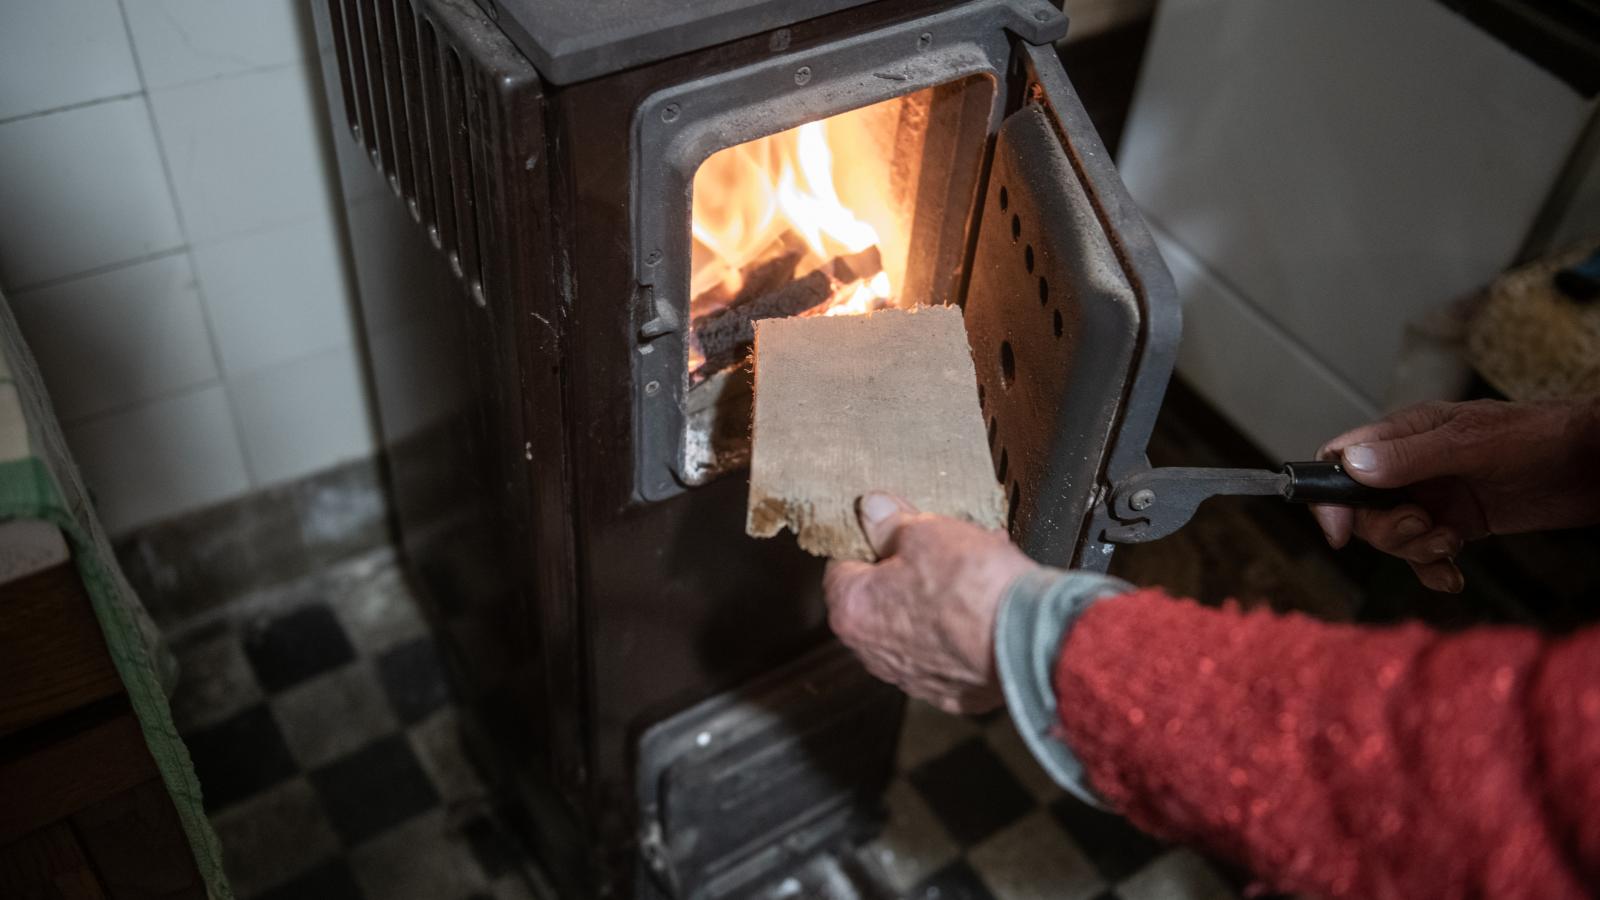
{"points": [[851, 404]]}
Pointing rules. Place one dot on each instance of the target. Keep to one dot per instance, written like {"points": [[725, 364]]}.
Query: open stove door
{"points": [[1073, 320]]}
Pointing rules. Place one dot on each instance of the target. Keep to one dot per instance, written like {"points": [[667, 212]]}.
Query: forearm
{"points": [[1330, 759]]}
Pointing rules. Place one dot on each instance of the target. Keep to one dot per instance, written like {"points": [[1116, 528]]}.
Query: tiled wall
{"points": [[168, 242]]}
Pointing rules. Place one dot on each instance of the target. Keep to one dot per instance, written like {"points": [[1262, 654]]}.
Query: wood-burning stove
{"points": [[564, 426]]}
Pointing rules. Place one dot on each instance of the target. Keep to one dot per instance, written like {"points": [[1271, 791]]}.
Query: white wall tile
{"points": [[1579, 221], [161, 459], [303, 416], [180, 41], [1262, 379], [1345, 166], [112, 340], [275, 295], [244, 151], [81, 189], [55, 53]]}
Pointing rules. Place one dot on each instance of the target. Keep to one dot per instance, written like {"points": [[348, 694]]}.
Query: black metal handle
{"points": [[1327, 482]]}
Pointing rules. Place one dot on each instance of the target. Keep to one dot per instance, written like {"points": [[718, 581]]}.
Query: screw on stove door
{"points": [[1142, 499], [802, 75], [670, 112]]}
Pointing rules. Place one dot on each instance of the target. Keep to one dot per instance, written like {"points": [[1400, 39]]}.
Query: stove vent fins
{"points": [[450, 113]]}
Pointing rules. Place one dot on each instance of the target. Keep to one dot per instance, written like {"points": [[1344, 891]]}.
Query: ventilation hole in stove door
{"points": [[1005, 199], [1027, 258], [1016, 500], [980, 396], [1008, 364], [1016, 228], [994, 428], [1044, 291], [1060, 326], [1005, 463]]}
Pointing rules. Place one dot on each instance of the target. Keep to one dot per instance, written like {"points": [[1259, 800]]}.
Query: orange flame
{"points": [[747, 196]]}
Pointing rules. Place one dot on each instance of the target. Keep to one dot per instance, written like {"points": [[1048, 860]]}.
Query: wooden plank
{"points": [[53, 657], [48, 865], [59, 777], [138, 847], [849, 404]]}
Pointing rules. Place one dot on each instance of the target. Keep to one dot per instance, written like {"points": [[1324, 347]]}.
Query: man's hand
{"points": [[1472, 469], [922, 617]]}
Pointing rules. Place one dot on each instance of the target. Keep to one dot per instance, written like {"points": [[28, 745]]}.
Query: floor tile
{"points": [[971, 792], [956, 881], [291, 648], [378, 612], [422, 859], [1034, 859], [239, 757], [1178, 875], [333, 714], [332, 880], [374, 789], [1116, 847], [514, 887], [413, 676], [274, 837], [1008, 745], [928, 732], [215, 680], [437, 743], [913, 845], [494, 849]]}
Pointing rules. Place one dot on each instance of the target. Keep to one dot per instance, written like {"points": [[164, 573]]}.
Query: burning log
{"points": [[771, 269], [725, 336]]}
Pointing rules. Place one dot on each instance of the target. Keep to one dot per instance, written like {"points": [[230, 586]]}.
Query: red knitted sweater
{"points": [[1342, 760]]}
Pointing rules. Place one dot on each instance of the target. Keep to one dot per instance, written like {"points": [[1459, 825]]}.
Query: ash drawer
{"points": [[749, 784]]}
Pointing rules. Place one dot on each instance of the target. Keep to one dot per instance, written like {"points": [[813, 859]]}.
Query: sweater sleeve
{"points": [[1343, 760]]}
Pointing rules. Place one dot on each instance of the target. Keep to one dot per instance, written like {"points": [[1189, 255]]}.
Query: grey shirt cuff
{"points": [[1035, 615]]}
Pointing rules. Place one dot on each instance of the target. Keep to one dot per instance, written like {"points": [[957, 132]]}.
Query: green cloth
{"points": [[38, 480]]}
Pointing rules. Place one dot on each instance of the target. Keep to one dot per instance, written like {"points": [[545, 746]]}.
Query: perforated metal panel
{"points": [[1054, 326]]}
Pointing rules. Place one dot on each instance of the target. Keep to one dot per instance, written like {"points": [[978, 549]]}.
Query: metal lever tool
{"points": [[1157, 502]]}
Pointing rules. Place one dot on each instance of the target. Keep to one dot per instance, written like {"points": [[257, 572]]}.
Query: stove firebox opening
{"points": [[842, 215]]}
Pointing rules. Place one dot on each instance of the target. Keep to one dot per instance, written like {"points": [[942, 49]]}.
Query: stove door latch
{"points": [[1154, 503], [661, 318]]}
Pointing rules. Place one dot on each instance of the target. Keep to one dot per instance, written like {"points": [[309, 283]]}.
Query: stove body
{"points": [[659, 689]]}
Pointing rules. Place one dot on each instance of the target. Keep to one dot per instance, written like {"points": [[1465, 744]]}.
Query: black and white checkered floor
{"points": [[325, 740]]}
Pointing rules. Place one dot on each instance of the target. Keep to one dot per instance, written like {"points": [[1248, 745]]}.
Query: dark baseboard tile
{"points": [[196, 562]]}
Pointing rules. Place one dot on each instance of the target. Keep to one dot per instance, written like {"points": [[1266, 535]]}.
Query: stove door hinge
{"points": [[653, 849], [1153, 503], [1036, 21]]}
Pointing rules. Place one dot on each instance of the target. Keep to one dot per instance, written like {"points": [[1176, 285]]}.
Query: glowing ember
{"points": [[747, 197]]}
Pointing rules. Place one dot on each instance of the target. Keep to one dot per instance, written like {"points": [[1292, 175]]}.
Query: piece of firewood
{"points": [[850, 404]]}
